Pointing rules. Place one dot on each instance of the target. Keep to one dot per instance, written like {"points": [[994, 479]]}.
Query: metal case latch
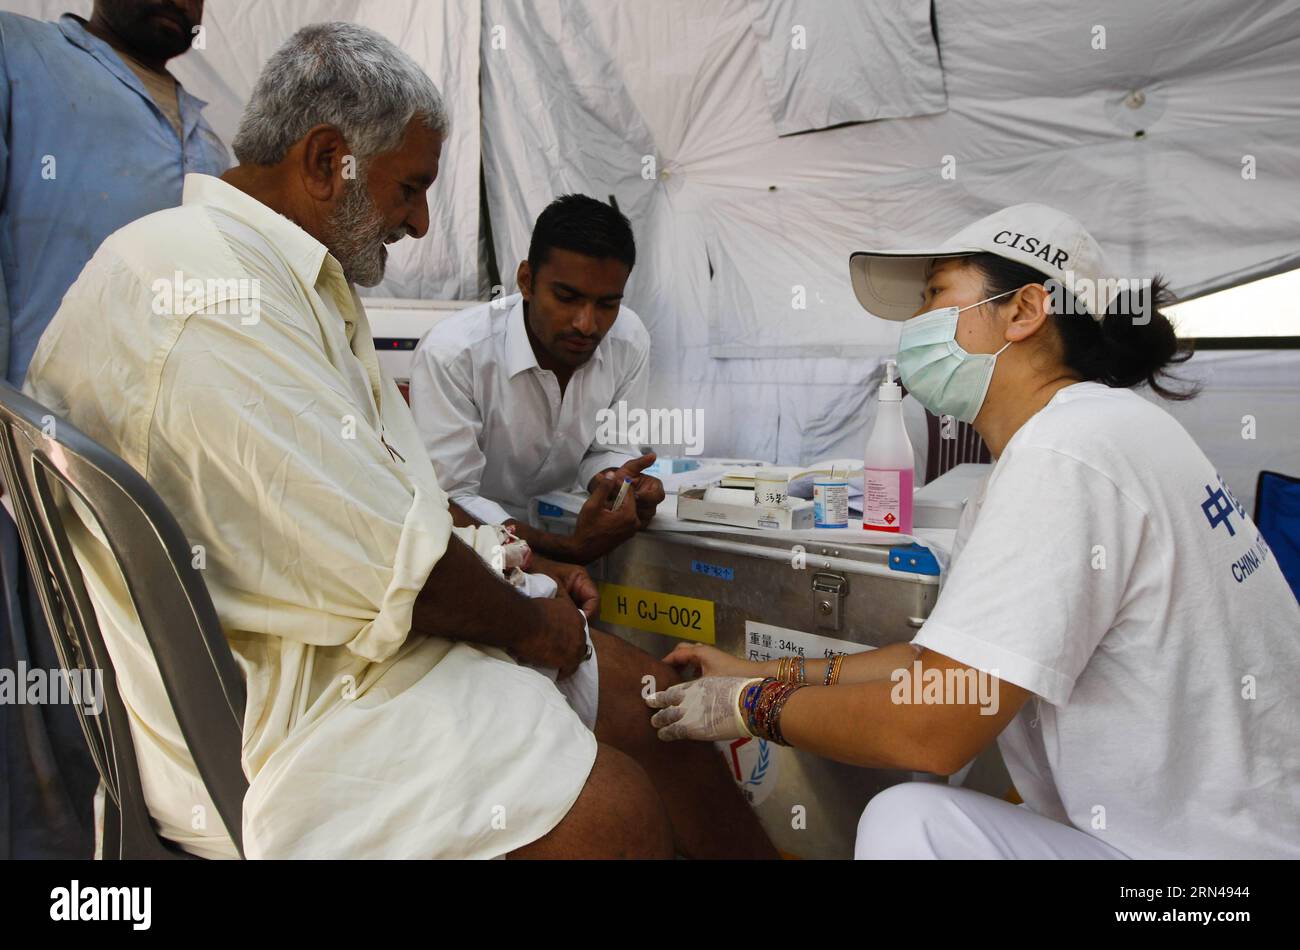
{"points": [[828, 596]]}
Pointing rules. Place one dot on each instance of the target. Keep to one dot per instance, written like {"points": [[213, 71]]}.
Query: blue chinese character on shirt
{"points": [[1219, 506]]}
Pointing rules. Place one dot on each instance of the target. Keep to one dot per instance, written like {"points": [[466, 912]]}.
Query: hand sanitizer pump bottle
{"points": [[888, 463]]}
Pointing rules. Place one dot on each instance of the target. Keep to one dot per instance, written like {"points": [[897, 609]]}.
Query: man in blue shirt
{"points": [[94, 133]]}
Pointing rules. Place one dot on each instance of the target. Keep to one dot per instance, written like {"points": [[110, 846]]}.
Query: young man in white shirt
{"points": [[508, 396]]}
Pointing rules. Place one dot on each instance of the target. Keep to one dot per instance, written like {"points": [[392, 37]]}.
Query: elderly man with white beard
{"points": [[398, 704]]}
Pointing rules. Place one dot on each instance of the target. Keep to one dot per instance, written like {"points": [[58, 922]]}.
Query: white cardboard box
{"points": [[691, 506]]}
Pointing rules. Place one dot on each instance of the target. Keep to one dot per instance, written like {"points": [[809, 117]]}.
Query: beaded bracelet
{"points": [[761, 704], [833, 670], [748, 699], [764, 705], [757, 699], [774, 717], [748, 702], [792, 669]]}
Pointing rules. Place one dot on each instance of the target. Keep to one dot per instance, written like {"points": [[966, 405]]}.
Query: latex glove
{"points": [[707, 708]]}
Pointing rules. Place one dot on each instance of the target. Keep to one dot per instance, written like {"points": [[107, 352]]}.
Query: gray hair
{"points": [[337, 74]]}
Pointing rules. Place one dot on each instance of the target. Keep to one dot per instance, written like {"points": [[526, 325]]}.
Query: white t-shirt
{"points": [[1105, 568]]}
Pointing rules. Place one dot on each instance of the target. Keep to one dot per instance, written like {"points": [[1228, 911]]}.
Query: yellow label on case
{"points": [[689, 618]]}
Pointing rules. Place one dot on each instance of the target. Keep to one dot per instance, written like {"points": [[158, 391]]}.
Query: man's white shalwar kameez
{"points": [[218, 348]]}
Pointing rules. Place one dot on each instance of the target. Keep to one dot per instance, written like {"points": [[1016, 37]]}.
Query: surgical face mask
{"points": [[937, 371]]}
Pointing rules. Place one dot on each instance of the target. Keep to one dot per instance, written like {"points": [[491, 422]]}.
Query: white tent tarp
{"points": [[1170, 127], [442, 35], [873, 60]]}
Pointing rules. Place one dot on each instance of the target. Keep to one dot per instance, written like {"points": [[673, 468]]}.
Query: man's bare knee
{"points": [[627, 665], [627, 675], [617, 814]]}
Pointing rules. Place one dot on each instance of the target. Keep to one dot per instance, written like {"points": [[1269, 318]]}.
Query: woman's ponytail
{"points": [[1134, 344]]}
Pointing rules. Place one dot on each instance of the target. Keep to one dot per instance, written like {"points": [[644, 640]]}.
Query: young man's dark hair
{"points": [[585, 226]]}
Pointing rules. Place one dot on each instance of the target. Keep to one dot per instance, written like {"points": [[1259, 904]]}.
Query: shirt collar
{"points": [[304, 254], [519, 349], [74, 28]]}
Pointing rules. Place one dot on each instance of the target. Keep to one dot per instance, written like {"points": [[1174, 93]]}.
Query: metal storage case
{"points": [[810, 806]]}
